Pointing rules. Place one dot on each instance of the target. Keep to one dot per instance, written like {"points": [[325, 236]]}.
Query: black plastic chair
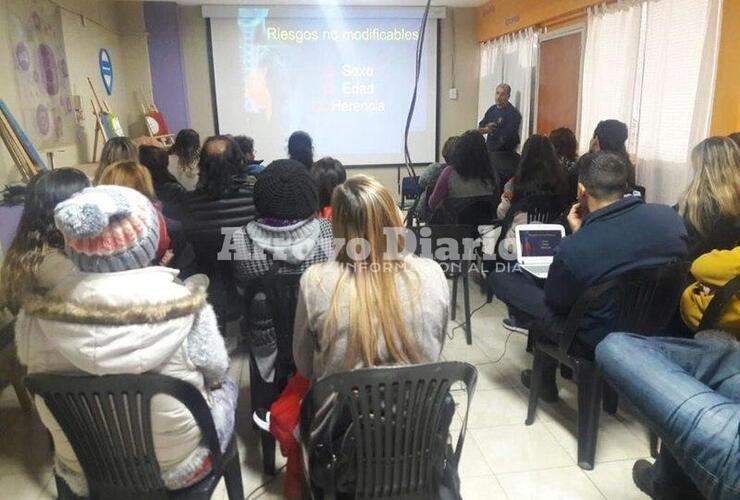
{"points": [[440, 236], [709, 321], [393, 416], [409, 189], [471, 210], [107, 421], [282, 291], [647, 298]]}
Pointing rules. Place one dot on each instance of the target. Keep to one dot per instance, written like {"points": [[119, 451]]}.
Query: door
{"points": [[558, 83]]}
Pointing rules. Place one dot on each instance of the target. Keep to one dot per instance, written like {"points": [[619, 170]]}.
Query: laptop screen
{"points": [[539, 242]]}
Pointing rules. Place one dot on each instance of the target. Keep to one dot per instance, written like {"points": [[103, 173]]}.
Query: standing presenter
{"points": [[501, 122]]}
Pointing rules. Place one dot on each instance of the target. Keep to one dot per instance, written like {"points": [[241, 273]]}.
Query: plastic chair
{"points": [[10, 365], [392, 416], [471, 210], [107, 420], [409, 189], [440, 236], [648, 298], [709, 321], [282, 291]]}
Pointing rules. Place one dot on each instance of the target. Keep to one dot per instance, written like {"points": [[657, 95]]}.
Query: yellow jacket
{"points": [[712, 270]]}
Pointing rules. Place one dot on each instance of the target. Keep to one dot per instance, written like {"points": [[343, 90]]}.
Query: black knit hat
{"points": [[286, 190]]}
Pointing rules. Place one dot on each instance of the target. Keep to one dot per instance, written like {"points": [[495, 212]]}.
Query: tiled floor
{"points": [[502, 458]]}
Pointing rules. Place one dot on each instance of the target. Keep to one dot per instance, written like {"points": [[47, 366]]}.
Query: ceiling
{"points": [[399, 3]]}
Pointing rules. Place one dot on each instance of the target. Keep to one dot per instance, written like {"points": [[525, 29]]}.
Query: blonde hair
{"points": [[713, 192], [115, 150], [129, 174], [362, 208]]}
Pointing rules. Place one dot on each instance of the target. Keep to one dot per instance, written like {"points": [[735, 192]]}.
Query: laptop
{"points": [[536, 245]]}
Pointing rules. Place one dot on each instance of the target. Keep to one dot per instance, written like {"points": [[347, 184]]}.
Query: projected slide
{"points": [[346, 81]]}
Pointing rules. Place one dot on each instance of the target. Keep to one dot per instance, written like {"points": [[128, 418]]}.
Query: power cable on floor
{"points": [[264, 485]]}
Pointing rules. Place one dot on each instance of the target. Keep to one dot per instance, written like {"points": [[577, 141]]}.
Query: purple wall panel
{"points": [[165, 61]]}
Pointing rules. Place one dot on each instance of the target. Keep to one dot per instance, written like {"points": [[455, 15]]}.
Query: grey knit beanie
{"points": [[109, 228]]}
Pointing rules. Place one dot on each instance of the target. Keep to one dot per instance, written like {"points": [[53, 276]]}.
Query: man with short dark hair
{"points": [[611, 234], [501, 122]]}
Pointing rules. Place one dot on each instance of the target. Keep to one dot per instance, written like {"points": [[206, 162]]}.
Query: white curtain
{"points": [[680, 47], [651, 64], [610, 63], [509, 59]]}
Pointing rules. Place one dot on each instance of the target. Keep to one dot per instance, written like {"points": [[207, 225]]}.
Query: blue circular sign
{"points": [[106, 70]]}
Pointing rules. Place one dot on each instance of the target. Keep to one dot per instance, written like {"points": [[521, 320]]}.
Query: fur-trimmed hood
{"points": [[123, 322]]}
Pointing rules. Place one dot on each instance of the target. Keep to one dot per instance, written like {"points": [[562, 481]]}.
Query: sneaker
{"points": [[261, 418], [548, 391], [642, 475], [512, 325]]}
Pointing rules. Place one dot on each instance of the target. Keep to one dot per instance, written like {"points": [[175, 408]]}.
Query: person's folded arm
{"points": [[509, 128], [562, 289], [486, 118], [441, 189]]}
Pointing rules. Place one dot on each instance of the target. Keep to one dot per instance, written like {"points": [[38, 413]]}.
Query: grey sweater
{"points": [[425, 302]]}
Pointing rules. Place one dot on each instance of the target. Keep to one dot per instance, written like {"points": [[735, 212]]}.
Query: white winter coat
{"points": [[131, 322]]}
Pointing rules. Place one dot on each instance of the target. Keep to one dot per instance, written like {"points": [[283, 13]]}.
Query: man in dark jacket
{"points": [[611, 234], [501, 122]]}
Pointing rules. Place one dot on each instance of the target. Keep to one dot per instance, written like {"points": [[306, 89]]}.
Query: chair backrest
{"points": [[438, 239], [107, 421], [543, 208], [472, 210], [282, 291], [647, 300], [396, 426], [719, 302]]}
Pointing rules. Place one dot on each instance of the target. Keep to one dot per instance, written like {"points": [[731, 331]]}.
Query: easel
{"points": [[18, 153], [156, 126], [102, 111]]}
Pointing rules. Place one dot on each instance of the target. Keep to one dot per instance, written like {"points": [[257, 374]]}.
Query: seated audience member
{"points": [[611, 136], [328, 174], [286, 237], [469, 175], [183, 158], [35, 259], [504, 163], [300, 148], [566, 147], [221, 203], [166, 186], [699, 456], [173, 249], [286, 231], [253, 167], [428, 179], [402, 317], [116, 149], [735, 136], [712, 271], [539, 172], [611, 235], [710, 206], [120, 315]]}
